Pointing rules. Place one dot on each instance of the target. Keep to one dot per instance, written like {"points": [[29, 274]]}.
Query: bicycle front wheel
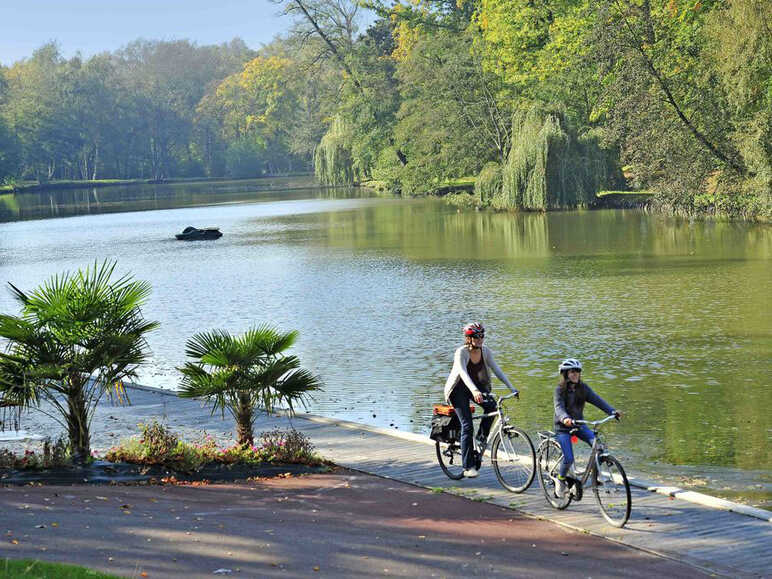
{"points": [[549, 457], [513, 459], [612, 490], [449, 457]]}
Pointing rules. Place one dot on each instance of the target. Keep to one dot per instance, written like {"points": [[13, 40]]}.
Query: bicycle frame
{"points": [[511, 451], [597, 450], [497, 426]]}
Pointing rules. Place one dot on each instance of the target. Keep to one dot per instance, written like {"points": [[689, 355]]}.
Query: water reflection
{"points": [[146, 197], [671, 318]]}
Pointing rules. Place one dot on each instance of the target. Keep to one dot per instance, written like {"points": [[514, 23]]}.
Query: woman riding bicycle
{"points": [[469, 380], [570, 396]]}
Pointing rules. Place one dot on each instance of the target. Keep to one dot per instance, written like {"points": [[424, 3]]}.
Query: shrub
{"points": [[489, 182], [56, 453], [287, 446]]}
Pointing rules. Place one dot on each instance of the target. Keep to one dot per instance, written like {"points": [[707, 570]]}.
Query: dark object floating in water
{"points": [[194, 234]]}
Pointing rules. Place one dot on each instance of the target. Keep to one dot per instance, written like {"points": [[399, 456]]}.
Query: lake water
{"points": [[671, 318]]}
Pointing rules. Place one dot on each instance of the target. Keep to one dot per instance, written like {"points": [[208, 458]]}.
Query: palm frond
{"points": [[231, 371], [203, 343]]}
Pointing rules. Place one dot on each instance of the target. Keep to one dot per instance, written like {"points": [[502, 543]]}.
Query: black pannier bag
{"points": [[445, 428]]}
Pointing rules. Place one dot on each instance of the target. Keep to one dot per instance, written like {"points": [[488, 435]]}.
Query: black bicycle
{"points": [[512, 453]]}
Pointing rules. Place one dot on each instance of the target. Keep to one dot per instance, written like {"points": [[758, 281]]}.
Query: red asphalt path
{"points": [[344, 524]]}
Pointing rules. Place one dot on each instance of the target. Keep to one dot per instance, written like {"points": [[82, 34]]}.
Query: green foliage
{"points": [[157, 445], [463, 200], [549, 166], [79, 335], [451, 120], [678, 91], [244, 158], [333, 161], [489, 183], [242, 373]]}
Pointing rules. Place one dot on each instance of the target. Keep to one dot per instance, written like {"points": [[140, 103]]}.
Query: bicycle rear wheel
{"points": [[612, 491], [513, 459], [449, 457], [549, 457]]}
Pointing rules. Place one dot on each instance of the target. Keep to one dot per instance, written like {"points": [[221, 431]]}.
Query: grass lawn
{"points": [[11, 569]]}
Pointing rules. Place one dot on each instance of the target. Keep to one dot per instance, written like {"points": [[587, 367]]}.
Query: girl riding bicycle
{"points": [[570, 397], [469, 380]]}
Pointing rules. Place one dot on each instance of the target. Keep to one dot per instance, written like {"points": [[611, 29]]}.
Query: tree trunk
{"points": [[244, 421], [96, 161], [77, 424]]}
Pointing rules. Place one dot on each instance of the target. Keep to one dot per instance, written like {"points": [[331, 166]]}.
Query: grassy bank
{"points": [[29, 186], [29, 568]]}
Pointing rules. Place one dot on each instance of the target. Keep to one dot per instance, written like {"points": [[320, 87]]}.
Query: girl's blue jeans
{"points": [[564, 439], [460, 399]]}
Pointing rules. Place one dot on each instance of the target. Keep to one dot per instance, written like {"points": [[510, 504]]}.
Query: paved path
{"points": [[712, 538], [341, 525]]}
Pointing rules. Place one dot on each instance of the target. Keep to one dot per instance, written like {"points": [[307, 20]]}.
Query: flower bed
{"points": [[157, 455]]}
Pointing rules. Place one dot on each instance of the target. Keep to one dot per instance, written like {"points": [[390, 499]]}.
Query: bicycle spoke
{"points": [[612, 491], [449, 457], [513, 459], [549, 458]]}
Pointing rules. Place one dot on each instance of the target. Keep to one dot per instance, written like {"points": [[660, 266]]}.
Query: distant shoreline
{"points": [[28, 187]]}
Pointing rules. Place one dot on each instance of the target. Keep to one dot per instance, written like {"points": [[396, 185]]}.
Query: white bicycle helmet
{"points": [[569, 364]]}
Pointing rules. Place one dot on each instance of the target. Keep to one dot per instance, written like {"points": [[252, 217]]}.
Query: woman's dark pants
{"points": [[460, 399]]}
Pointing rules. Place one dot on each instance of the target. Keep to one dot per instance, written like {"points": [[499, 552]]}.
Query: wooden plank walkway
{"points": [[714, 539]]}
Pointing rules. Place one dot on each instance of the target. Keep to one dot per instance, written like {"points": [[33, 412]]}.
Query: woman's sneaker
{"points": [[471, 473]]}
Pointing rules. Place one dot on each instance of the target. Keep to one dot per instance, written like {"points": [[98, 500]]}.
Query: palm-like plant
{"points": [[242, 373], [78, 337]]}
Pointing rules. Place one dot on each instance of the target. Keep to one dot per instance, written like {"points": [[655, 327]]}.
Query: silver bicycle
{"points": [[512, 453], [605, 474]]}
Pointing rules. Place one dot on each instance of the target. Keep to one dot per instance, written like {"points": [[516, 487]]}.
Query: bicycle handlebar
{"points": [[510, 395], [596, 422]]}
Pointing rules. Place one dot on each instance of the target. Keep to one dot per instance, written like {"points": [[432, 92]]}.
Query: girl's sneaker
{"points": [[560, 487], [471, 473]]}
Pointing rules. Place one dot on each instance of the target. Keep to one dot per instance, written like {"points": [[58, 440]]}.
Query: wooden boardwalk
{"points": [[713, 539]]}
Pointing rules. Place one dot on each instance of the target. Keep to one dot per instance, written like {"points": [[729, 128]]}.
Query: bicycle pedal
{"points": [[575, 488]]}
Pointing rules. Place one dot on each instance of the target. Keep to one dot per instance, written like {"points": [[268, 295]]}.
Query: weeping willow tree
{"points": [[549, 167], [488, 183], [333, 161]]}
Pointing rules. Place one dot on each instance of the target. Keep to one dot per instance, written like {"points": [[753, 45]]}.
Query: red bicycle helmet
{"points": [[474, 330]]}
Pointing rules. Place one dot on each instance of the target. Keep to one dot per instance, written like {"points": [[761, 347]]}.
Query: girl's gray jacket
{"points": [[571, 405], [460, 360]]}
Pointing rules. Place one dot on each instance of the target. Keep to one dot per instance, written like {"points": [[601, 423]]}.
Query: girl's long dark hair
{"points": [[563, 382]]}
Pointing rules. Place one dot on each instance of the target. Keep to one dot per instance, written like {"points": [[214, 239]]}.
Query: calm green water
{"points": [[671, 319]]}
